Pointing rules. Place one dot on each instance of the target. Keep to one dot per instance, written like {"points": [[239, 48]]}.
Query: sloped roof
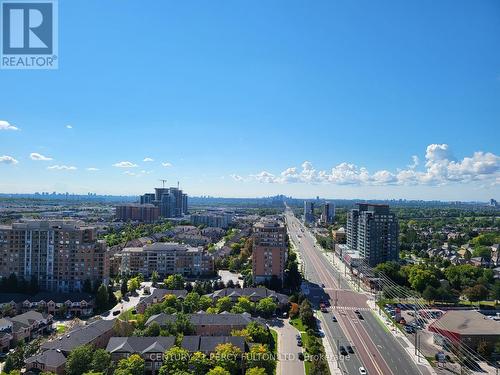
{"points": [[140, 344], [80, 336], [52, 358]]}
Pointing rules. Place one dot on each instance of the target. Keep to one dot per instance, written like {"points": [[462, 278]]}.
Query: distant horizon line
{"points": [[87, 195]]}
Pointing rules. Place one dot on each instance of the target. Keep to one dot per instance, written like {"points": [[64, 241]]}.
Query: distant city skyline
{"points": [[245, 100]]}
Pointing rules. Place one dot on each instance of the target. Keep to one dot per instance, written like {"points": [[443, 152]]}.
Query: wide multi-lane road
{"points": [[378, 351]]}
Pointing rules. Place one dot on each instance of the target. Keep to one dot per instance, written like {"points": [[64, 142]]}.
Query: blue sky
{"points": [[329, 98]]}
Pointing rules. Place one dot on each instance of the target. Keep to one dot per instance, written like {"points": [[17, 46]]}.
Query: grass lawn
{"points": [[307, 366], [297, 323], [275, 339], [127, 315], [60, 328], [484, 303]]}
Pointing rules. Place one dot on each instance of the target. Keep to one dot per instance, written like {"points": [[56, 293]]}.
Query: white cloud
{"points": [[92, 169], [62, 167], [39, 157], [265, 177], [4, 125], [125, 164], [148, 160], [141, 173], [235, 177], [440, 168], [69, 126], [166, 164], [6, 159], [415, 162]]}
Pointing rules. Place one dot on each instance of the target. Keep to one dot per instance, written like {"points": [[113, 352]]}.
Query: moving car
{"points": [[350, 349], [334, 319], [301, 356], [342, 350], [362, 371]]}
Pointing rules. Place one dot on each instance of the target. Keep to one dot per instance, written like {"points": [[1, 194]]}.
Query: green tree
{"points": [[79, 360], [175, 360], [124, 287], [496, 290], [476, 293], [153, 330], [102, 298], [306, 313], [227, 356], [154, 277], [224, 304], [243, 305], [199, 363], [218, 370], [430, 293], [482, 251], [256, 371], [133, 365], [266, 307], [101, 360], [191, 302], [419, 278], [174, 282], [260, 356], [204, 303], [133, 284]]}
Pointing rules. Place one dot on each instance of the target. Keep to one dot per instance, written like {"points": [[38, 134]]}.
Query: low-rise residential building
{"points": [[166, 258], [70, 304], [208, 324], [253, 294], [47, 361], [74, 304], [208, 344], [96, 333], [53, 354], [27, 326], [151, 349], [157, 296], [5, 335]]}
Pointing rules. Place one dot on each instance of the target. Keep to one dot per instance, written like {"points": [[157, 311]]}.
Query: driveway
{"points": [[289, 363], [131, 303]]}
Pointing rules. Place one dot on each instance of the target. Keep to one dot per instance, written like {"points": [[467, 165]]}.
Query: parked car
{"points": [[350, 349], [342, 350], [116, 312], [362, 371], [301, 356], [334, 319]]}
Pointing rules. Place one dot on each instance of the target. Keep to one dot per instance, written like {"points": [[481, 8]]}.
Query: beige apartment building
{"points": [[61, 255], [270, 250], [166, 258]]}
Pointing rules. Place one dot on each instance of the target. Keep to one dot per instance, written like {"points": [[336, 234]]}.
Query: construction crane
{"points": [[163, 181]]}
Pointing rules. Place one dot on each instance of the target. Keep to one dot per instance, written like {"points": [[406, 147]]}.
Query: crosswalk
{"points": [[351, 308]]}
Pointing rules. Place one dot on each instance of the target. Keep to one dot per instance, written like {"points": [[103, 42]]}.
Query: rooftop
{"points": [[466, 322]]}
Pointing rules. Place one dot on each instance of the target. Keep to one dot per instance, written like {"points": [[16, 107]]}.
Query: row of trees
{"points": [[301, 308], [473, 282]]}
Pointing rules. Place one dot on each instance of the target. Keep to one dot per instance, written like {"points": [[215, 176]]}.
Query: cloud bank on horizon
{"points": [[440, 168]]}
